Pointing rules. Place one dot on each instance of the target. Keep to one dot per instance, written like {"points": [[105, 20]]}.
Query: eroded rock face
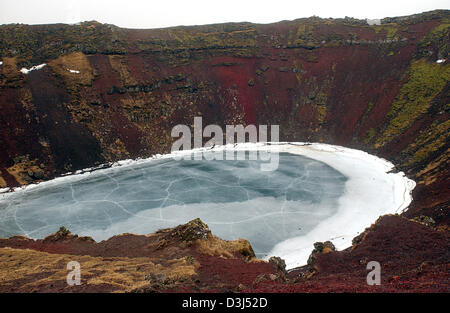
{"points": [[193, 230], [320, 248], [63, 234], [279, 263], [332, 81]]}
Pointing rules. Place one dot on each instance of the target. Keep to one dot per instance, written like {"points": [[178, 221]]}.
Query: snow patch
{"points": [[1, 63], [440, 61], [3, 190], [376, 21], [34, 68], [73, 71], [371, 191]]}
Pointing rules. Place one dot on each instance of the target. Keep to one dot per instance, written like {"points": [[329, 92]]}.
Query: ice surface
{"points": [[319, 192], [370, 191], [235, 198]]}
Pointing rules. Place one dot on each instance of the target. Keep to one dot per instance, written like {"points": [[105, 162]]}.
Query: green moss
{"points": [[436, 41], [391, 33], [371, 132], [445, 24], [302, 30], [321, 98], [423, 153], [322, 110], [368, 110], [425, 81], [305, 36], [430, 141], [189, 39], [390, 30], [425, 220], [35, 44]]}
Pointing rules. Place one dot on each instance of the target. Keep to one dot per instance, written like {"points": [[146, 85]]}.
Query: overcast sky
{"points": [[153, 14]]}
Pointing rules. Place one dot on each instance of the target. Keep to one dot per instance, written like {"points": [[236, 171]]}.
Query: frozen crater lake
{"points": [[318, 192]]}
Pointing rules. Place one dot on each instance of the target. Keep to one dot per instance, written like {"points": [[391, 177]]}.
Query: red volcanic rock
{"points": [[192, 258], [320, 248], [413, 258], [340, 81]]}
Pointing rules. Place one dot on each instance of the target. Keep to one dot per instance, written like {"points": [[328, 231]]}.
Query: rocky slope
{"points": [[189, 258], [108, 93], [185, 257]]}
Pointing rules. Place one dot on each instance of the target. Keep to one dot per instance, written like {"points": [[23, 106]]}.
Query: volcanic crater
{"points": [[107, 94]]}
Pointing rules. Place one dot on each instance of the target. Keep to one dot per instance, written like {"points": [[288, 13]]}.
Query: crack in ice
{"points": [[281, 212]]}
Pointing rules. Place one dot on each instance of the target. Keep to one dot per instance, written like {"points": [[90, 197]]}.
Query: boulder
{"points": [[279, 263], [320, 248], [191, 231]]}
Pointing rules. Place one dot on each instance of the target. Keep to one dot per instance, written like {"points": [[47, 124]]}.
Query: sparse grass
{"points": [[369, 135], [322, 113], [190, 39], [389, 29], [431, 140], [367, 112], [36, 44], [9, 70], [124, 274], [443, 26], [116, 150], [21, 168], [2, 181], [431, 172], [217, 247], [182, 268], [436, 41], [425, 81], [74, 61], [119, 64]]}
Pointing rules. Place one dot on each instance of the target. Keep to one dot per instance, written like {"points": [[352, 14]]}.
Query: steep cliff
{"points": [[108, 93]]}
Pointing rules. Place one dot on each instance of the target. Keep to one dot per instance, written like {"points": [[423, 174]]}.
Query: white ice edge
{"points": [[384, 193], [33, 68]]}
